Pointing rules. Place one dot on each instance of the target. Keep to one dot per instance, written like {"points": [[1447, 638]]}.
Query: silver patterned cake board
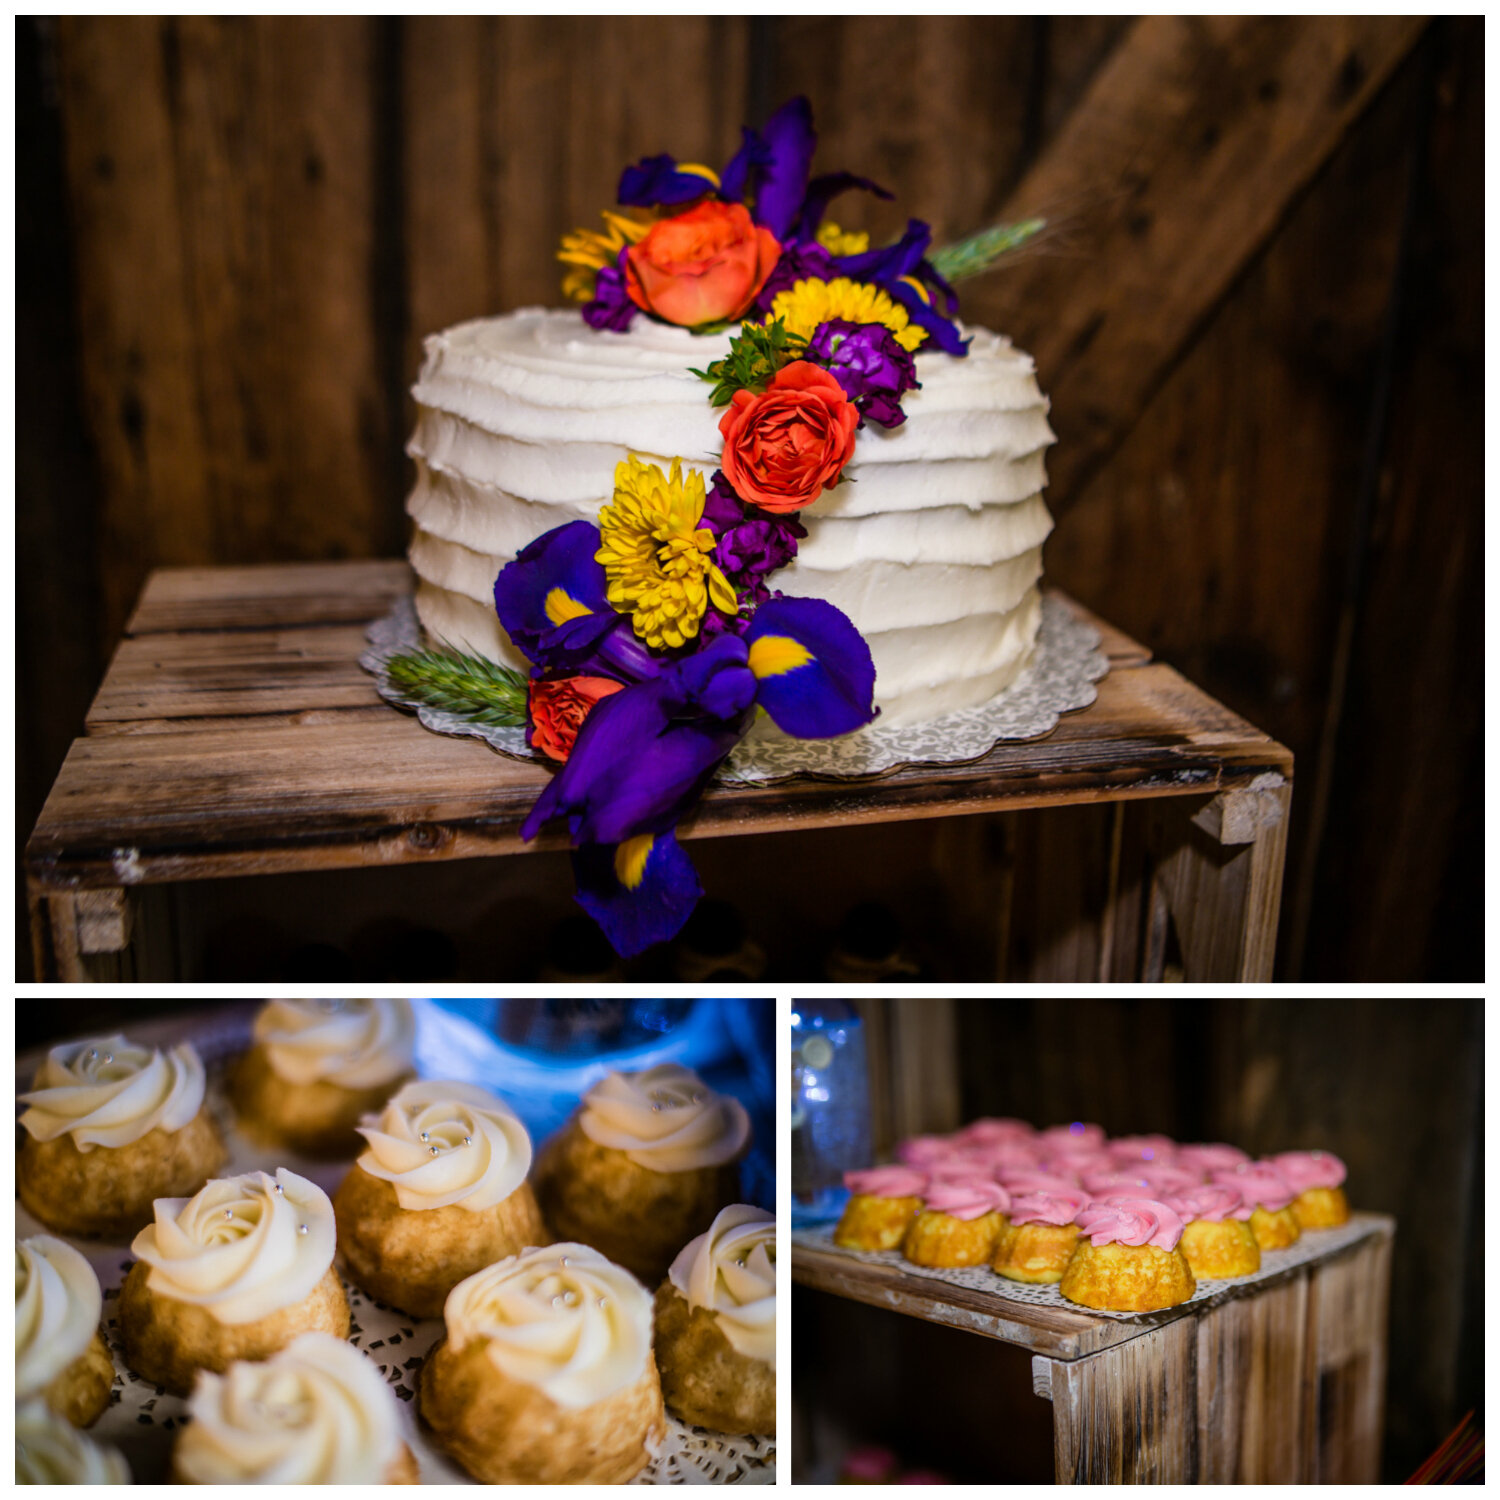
{"points": [[1063, 676], [1314, 1244], [141, 1419]]}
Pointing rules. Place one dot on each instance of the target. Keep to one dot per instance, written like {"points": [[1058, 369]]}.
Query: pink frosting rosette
{"points": [[1131, 1221], [1152, 1179], [966, 1197], [1129, 1149], [1034, 1180], [995, 1132], [887, 1182], [1072, 1139], [1210, 1157], [1007, 1156], [1262, 1185], [1214, 1201], [1037, 1207], [923, 1150], [1309, 1169]]}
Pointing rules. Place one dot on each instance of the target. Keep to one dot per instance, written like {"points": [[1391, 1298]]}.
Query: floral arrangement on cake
{"points": [[655, 637]]}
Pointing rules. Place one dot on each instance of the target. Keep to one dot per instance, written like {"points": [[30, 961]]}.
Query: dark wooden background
{"points": [[1395, 1087], [1258, 317]]}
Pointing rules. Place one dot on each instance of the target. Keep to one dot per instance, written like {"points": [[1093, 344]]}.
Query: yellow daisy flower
{"points": [[657, 561], [802, 307], [588, 251]]}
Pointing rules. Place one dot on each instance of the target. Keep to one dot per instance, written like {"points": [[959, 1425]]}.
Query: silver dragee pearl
{"points": [[423, 1136], [434, 1150], [302, 1229], [468, 1140]]}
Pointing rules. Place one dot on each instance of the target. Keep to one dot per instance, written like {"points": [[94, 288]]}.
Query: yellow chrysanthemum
{"points": [[808, 303], [587, 251], [656, 557], [838, 241]]}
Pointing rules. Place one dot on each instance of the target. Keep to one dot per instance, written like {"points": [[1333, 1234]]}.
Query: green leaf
{"points": [[756, 353], [470, 686], [980, 252]]}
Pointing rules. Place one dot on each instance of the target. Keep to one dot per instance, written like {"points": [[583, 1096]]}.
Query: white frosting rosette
{"points": [[58, 1305], [316, 1413], [355, 1044], [50, 1450], [665, 1118], [241, 1247], [441, 1144], [731, 1271], [563, 1319], [109, 1092]]}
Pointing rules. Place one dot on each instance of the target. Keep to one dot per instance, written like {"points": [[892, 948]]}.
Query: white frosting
{"points": [[440, 1144], [523, 418], [666, 1119], [318, 1412], [562, 1319], [731, 1271], [58, 1304], [242, 1247], [50, 1450], [109, 1092], [353, 1043]]}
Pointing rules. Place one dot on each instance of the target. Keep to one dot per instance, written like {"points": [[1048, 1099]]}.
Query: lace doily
{"points": [[141, 1418], [1062, 677], [1314, 1244]]}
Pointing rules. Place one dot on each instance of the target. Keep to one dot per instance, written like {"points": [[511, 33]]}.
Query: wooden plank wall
{"points": [[1258, 319], [1396, 1087]]}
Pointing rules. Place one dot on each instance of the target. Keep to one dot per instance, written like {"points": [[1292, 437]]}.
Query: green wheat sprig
{"points": [[977, 253], [756, 353], [449, 679]]}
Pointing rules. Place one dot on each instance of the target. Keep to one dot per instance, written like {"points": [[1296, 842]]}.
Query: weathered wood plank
{"points": [[1175, 167], [200, 675], [269, 595], [1126, 1416], [1252, 1400]]}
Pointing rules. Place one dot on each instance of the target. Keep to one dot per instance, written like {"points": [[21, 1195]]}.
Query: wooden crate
{"points": [[235, 734], [1276, 1381]]}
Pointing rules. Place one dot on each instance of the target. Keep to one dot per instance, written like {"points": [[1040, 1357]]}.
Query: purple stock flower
{"points": [[611, 307], [874, 370], [750, 546]]}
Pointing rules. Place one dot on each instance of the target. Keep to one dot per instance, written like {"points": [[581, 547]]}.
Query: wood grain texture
{"points": [[173, 792], [1173, 170], [1126, 1417]]}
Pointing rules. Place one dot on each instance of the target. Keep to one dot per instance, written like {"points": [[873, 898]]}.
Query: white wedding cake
{"points": [[931, 545]]}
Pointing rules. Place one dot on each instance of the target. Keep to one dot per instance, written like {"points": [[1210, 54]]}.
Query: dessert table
{"points": [[236, 734], [1273, 1379]]}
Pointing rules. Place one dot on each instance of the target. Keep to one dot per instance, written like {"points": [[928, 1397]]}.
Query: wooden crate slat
{"points": [[203, 675], [268, 595]]}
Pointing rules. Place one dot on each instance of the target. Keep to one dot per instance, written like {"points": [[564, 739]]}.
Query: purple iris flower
{"points": [[821, 191], [643, 756], [814, 673], [652, 908], [655, 180], [874, 370], [551, 601], [611, 307], [771, 168]]}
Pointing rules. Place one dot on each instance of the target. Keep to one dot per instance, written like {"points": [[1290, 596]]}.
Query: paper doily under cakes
{"points": [[1062, 677], [1313, 1244]]}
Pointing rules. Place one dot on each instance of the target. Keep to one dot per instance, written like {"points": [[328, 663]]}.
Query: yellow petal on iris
{"points": [[630, 859], [842, 241], [697, 169], [775, 655], [560, 605]]}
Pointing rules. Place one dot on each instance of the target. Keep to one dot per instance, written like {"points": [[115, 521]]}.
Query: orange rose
{"points": [[703, 266], [784, 447], [558, 709]]}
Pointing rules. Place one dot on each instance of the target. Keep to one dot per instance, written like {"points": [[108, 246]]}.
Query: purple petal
{"points": [[653, 908]]}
